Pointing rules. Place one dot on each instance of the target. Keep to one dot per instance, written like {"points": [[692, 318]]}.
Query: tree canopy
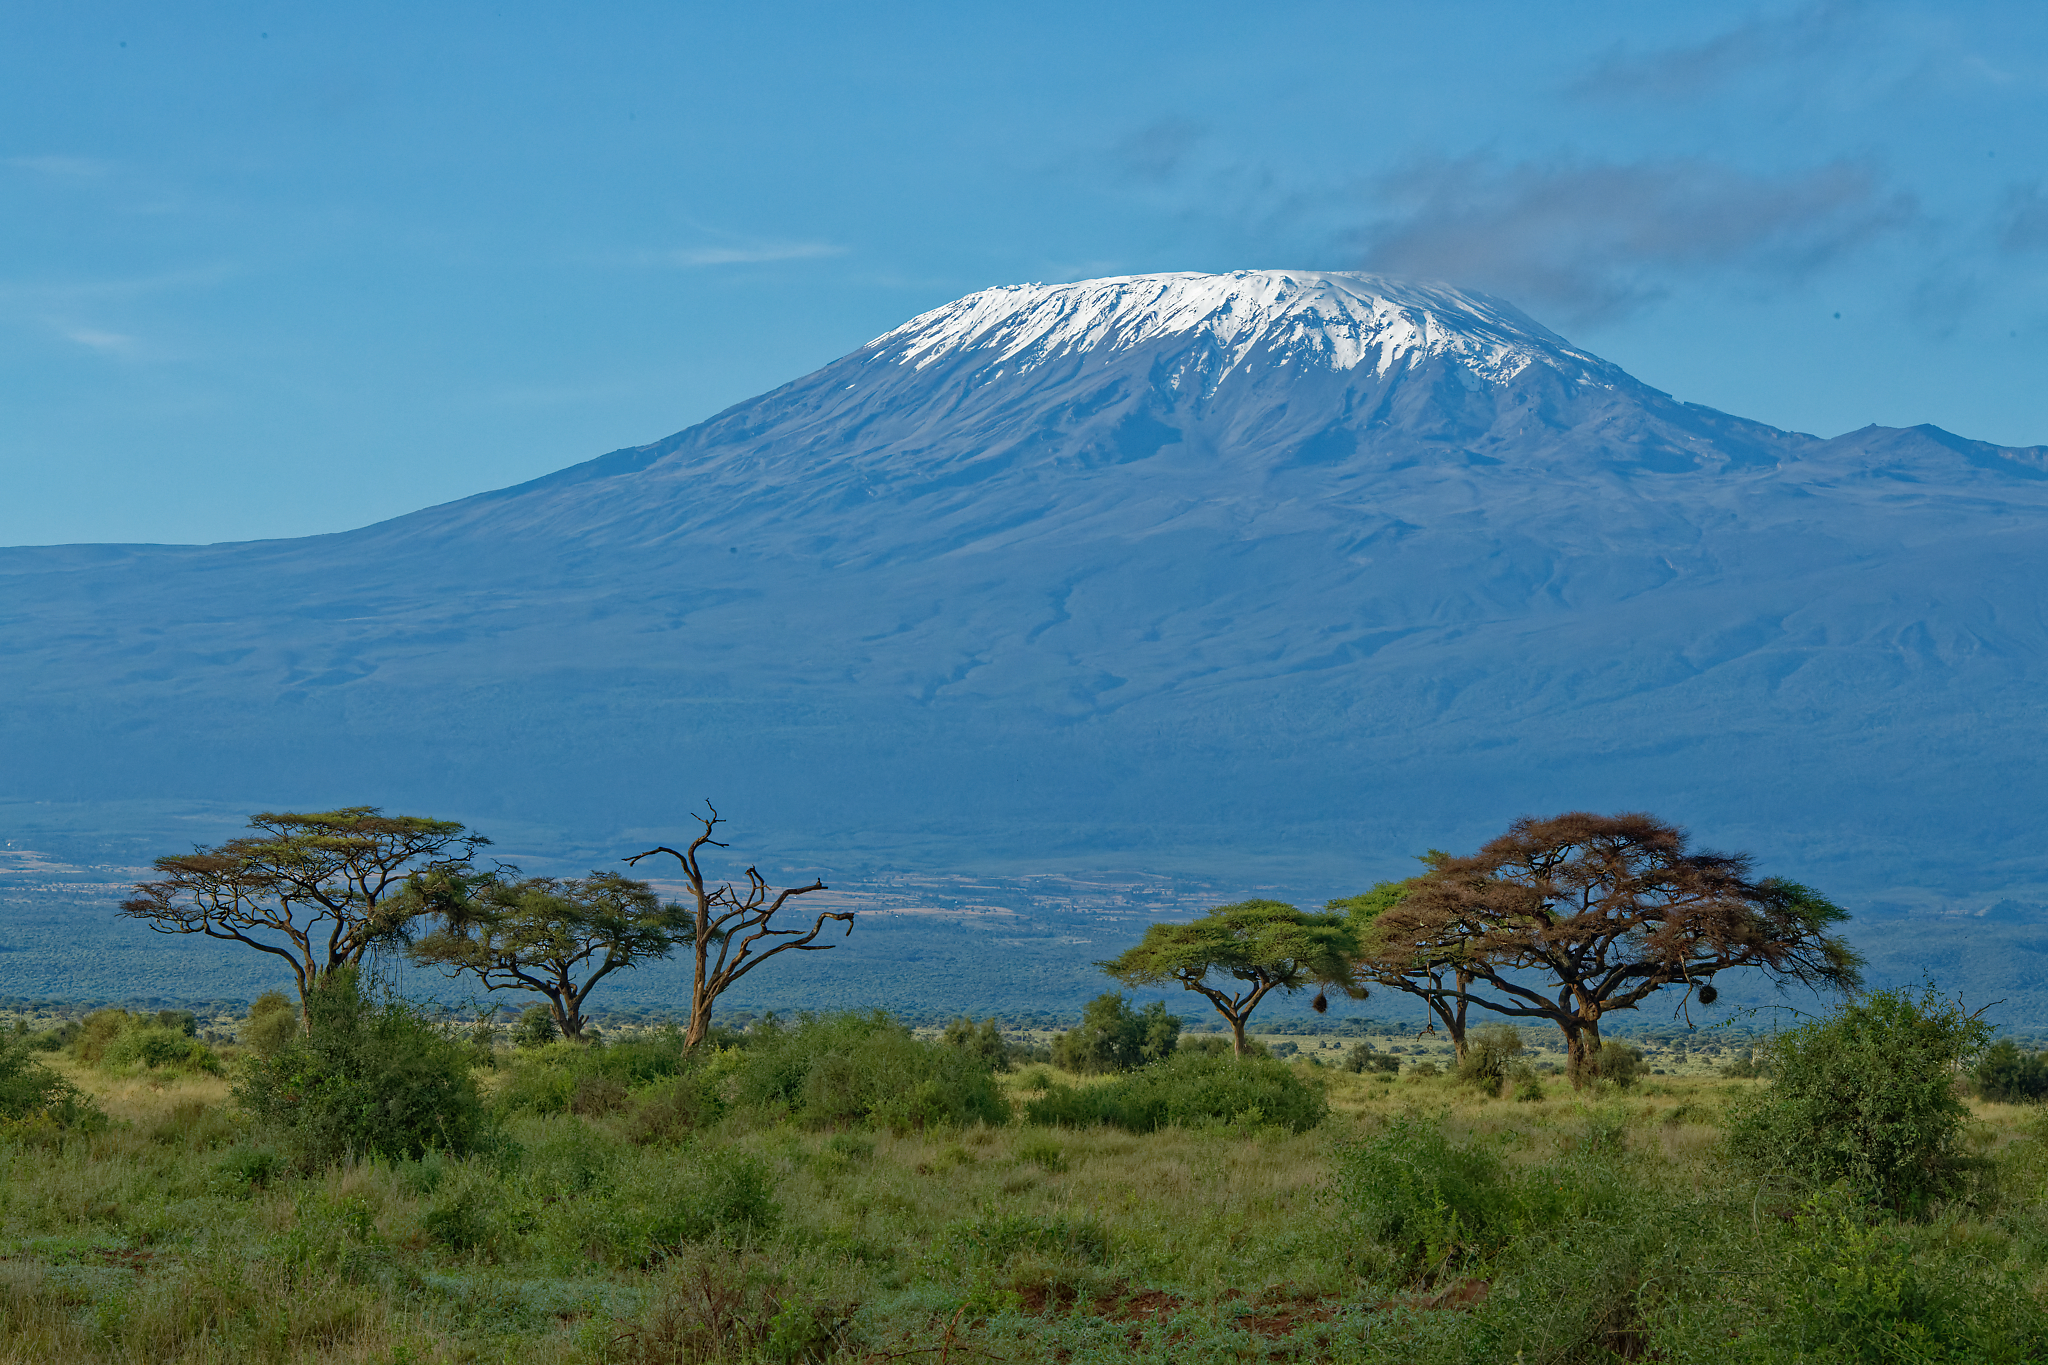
{"points": [[318, 889], [1260, 945], [1572, 918], [555, 938]]}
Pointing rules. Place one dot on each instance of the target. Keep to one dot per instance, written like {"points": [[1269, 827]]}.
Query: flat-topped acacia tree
{"points": [[732, 927], [1262, 946], [554, 938], [1572, 918], [1439, 978], [317, 889]]}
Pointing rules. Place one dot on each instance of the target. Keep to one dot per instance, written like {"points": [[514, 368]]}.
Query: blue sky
{"points": [[273, 270]]}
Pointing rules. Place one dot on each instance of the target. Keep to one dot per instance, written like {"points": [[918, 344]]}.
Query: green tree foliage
{"points": [[2006, 1075], [555, 938], [1190, 1090], [1572, 918], [732, 928], [1236, 955], [369, 1077], [272, 1023], [317, 890], [1114, 1037], [1438, 979], [1868, 1097]]}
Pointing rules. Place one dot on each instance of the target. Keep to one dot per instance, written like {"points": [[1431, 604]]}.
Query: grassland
{"points": [[176, 1235]]}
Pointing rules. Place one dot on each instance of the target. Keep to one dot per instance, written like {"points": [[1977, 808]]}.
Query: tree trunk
{"points": [[1582, 1046], [1236, 1035]]}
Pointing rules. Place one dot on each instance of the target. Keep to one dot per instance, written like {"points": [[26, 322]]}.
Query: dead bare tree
{"points": [[731, 920]]}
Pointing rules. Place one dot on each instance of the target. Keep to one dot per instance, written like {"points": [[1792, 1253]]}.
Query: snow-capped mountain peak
{"points": [[1324, 319]]}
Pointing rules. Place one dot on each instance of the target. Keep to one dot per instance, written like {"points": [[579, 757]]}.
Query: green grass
{"points": [[1418, 1222]]}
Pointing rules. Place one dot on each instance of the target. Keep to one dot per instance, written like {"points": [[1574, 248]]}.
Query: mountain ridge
{"points": [[1324, 613]]}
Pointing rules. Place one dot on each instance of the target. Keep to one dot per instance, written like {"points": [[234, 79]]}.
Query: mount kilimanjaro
{"points": [[1278, 577]]}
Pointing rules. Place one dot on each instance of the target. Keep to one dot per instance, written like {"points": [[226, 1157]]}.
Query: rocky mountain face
{"points": [[1275, 576]]}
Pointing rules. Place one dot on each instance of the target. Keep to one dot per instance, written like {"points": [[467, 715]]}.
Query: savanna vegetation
{"points": [[358, 1178]]}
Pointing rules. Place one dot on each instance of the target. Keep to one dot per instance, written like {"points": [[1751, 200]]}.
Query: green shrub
{"points": [[2006, 1075], [114, 1038], [370, 1077], [1868, 1097], [833, 1070], [1613, 1061], [535, 1027], [546, 1079], [272, 1024], [1743, 1066], [1210, 1045], [1431, 1204], [1189, 1089], [984, 1041], [156, 1048], [1490, 1054], [33, 1096], [1361, 1058], [1860, 1288], [1114, 1037]]}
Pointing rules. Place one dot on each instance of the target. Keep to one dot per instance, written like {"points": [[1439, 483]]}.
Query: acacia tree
{"points": [[1611, 910], [1262, 945], [318, 889], [1440, 981], [727, 922], [555, 938]]}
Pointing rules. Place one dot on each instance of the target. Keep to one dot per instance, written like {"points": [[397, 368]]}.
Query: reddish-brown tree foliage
{"points": [[1571, 918]]}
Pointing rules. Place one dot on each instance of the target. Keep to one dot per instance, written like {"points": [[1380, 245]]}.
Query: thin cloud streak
{"points": [[1598, 241], [699, 256], [1689, 70]]}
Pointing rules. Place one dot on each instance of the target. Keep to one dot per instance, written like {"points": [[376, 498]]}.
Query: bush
{"points": [[535, 1027], [2006, 1075], [1489, 1057], [1431, 1204], [154, 1047], [1361, 1058], [985, 1042], [832, 1070], [32, 1095], [1614, 1062], [1114, 1037], [546, 1079], [272, 1024], [1867, 1097], [1211, 1045], [115, 1038], [1744, 1066], [1189, 1089], [370, 1077]]}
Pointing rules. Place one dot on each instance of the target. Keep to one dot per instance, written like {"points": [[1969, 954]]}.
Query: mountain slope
{"points": [[1278, 575]]}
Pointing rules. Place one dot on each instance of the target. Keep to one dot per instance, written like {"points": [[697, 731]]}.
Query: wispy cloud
{"points": [[2022, 219], [695, 256], [60, 167], [1156, 152], [110, 343], [1595, 241], [1689, 70]]}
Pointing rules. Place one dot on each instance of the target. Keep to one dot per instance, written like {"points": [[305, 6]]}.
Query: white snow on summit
{"points": [[1335, 320]]}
